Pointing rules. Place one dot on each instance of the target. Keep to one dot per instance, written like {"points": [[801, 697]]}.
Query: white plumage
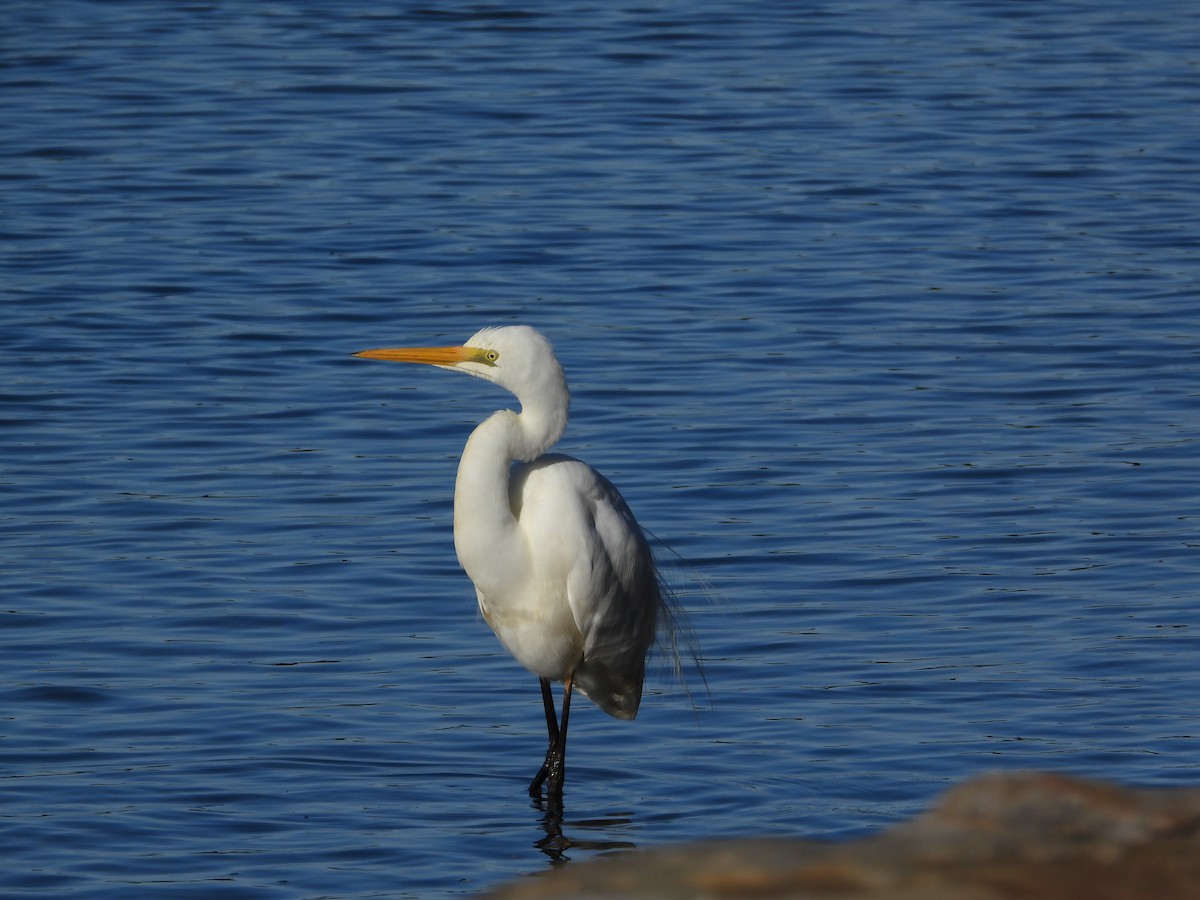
{"points": [[562, 572]]}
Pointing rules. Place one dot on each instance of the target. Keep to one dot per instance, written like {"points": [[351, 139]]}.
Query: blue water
{"points": [[885, 316]]}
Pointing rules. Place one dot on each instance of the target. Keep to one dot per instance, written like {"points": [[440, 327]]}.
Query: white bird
{"points": [[563, 574]]}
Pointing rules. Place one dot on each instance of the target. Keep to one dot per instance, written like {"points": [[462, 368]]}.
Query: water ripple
{"points": [[888, 329]]}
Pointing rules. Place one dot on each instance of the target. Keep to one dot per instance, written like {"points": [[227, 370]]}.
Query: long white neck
{"points": [[489, 543]]}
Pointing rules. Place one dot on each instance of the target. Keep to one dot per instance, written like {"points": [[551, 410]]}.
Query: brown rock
{"points": [[1016, 836]]}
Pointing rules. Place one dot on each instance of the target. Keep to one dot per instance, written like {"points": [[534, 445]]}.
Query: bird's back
{"points": [[587, 548]]}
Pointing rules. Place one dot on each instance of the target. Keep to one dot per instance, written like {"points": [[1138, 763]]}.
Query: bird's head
{"points": [[516, 357]]}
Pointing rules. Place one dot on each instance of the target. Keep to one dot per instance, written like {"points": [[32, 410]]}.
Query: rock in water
{"points": [[1013, 836]]}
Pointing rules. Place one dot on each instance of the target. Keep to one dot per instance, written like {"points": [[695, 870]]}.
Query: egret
{"points": [[562, 572]]}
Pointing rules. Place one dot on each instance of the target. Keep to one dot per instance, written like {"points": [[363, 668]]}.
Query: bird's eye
{"points": [[491, 356]]}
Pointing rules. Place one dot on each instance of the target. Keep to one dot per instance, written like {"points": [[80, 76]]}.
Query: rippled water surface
{"points": [[882, 315]]}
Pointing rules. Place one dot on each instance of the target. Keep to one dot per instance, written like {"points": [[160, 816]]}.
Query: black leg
{"points": [[558, 765], [535, 786], [554, 769], [548, 706]]}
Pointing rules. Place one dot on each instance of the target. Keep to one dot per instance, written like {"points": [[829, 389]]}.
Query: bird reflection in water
{"points": [[555, 844]]}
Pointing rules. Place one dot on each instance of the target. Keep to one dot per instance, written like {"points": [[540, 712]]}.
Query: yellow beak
{"points": [[434, 356]]}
